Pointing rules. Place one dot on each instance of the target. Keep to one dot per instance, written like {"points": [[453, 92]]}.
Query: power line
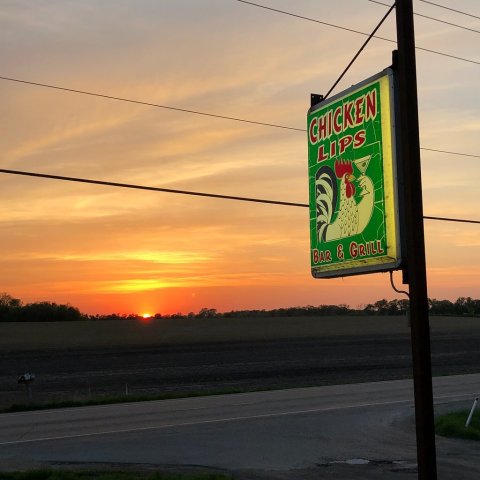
{"points": [[359, 51], [447, 55], [301, 17], [450, 153], [153, 189], [188, 192], [139, 102], [431, 18], [451, 9], [445, 219], [195, 112]]}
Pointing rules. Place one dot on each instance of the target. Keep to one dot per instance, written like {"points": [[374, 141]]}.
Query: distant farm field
{"points": [[131, 333], [83, 360]]}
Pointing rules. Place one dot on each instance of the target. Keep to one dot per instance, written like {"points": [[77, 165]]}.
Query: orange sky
{"points": [[111, 250]]}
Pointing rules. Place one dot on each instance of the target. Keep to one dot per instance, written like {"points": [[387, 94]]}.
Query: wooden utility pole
{"points": [[415, 268]]}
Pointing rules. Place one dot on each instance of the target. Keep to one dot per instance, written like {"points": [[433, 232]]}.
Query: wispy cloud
{"points": [[107, 248]]}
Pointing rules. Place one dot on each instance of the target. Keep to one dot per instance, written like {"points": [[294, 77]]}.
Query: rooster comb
{"points": [[342, 167]]}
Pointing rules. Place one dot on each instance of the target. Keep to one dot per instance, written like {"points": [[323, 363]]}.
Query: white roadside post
{"points": [[469, 419]]}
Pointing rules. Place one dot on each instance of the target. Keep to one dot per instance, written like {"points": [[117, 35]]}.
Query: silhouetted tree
{"points": [[8, 307], [207, 313], [441, 307], [47, 312]]}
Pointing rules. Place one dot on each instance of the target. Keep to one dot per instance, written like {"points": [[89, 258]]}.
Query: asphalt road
{"points": [[356, 431]]}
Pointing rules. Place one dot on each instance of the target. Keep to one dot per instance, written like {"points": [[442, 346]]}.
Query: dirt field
{"points": [[82, 359], [16, 337]]}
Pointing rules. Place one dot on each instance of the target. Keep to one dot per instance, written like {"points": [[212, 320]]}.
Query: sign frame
{"points": [[392, 257]]}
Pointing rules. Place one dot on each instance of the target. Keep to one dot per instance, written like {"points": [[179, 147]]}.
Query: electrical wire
{"points": [[309, 19], [430, 18], [153, 189], [301, 17], [447, 55], [450, 153], [139, 102], [195, 112], [359, 51], [395, 288], [187, 192], [451, 9], [446, 219]]}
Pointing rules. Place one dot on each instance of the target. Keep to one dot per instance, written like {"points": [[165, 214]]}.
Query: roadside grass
{"points": [[453, 425], [49, 474], [112, 399]]}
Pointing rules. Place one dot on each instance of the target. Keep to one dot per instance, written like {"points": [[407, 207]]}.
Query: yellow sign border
{"points": [[392, 259]]}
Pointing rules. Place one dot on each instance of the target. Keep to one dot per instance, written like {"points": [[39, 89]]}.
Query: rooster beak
{"points": [[350, 178]]}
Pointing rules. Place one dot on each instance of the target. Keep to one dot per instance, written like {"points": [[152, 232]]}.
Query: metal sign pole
{"points": [[415, 269]]}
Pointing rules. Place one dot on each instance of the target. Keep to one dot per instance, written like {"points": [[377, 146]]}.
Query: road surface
{"points": [[339, 431]]}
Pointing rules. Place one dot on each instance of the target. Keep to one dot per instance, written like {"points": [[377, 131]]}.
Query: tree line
{"points": [[13, 310]]}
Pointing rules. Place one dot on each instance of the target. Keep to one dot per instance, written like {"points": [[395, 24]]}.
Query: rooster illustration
{"points": [[352, 217]]}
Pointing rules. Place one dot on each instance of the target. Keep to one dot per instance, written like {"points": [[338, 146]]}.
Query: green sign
{"points": [[352, 181]]}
